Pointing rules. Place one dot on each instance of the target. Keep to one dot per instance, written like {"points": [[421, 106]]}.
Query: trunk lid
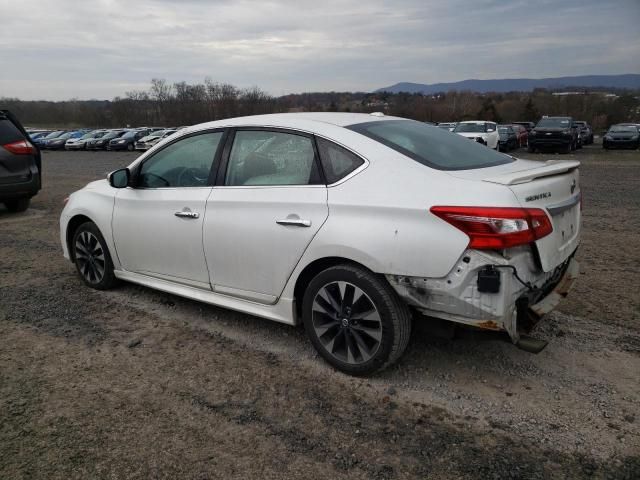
{"points": [[553, 186]]}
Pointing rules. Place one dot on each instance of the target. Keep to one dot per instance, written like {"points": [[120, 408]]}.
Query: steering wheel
{"points": [[190, 177], [149, 176]]}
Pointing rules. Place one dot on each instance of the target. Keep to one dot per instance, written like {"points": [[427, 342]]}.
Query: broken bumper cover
{"points": [[514, 309]]}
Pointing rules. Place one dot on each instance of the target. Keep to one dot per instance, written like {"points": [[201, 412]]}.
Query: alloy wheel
{"points": [[90, 257], [347, 322]]}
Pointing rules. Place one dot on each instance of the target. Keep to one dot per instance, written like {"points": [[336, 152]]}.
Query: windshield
{"points": [[429, 145], [64, 136], [54, 134], [471, 127], [623, 128], [109, 135], [129, 135], [554, 123]]}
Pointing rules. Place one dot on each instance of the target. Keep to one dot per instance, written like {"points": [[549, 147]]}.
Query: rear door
{"points": [[268, 204]]}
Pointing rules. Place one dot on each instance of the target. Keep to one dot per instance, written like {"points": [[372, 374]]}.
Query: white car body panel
{"points": [[256, 242], [238, 257], [154, 241]]}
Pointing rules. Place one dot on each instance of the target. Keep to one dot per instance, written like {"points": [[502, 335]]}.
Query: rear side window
{"points": [[8, 132], [337, 162], [271, 158], [431, 146]]}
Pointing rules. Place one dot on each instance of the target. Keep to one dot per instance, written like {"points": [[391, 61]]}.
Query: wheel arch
{"points": [[72, 226], [310, 271]]}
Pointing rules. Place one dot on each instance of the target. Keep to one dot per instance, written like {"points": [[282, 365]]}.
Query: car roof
{"points": [[295, 120]]}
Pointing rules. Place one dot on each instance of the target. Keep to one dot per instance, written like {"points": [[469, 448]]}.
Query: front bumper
{"points": [[550, 142], [620, 143], [514, 309]]}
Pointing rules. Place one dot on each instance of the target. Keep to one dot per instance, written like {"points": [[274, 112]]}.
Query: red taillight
{"points": [[21, 147], [495, 228]]}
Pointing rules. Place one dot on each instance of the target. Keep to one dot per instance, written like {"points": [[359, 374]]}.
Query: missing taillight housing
{"points": [[496, 228], [21, 147]]}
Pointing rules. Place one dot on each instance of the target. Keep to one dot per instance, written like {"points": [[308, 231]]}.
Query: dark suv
{"points": [[554, 132], [20, 164]]}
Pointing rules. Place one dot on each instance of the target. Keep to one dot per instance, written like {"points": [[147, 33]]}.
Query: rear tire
{"points": [[355, 320], [17, 205], [92, 258]]}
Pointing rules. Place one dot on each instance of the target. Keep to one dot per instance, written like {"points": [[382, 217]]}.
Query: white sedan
{"points": [[482, 132], [352, 224]]}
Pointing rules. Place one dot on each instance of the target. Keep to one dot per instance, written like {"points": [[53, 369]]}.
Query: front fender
{"points": [[96, 202]]}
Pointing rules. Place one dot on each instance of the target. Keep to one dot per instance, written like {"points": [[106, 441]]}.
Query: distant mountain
{"points": [[630, 80]]}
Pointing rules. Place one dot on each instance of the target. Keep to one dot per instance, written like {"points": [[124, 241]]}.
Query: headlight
{"points": [[121, 141], [635, 137], [566, 132], [532, 133]]}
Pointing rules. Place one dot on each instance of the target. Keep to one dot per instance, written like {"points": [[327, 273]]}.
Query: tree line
{"points": [[180, 103]]}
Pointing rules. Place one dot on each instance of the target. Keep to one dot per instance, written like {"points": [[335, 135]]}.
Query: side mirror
{"points": [[119, 178]]}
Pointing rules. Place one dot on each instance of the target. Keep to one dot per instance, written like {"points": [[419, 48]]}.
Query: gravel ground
{"points": [[134, 383]]}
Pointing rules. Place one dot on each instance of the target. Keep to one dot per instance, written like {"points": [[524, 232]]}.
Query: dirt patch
{"points": [[134, 383]]}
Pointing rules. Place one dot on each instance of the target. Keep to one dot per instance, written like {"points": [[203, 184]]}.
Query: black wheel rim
{"points": [[90, 257], [346, 322]]}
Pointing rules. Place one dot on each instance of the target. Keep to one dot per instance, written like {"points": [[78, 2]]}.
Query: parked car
{"points": [[128, 140], [81, 142], [522, 134], [554, 132], [145, 143], [40, 141], [447, 125], [33, 136], [528, 125], [60, 142], [102, 142], [621, 136], [585, 132], [20, 164], [482, 132], [508, 138], [306, 225]]}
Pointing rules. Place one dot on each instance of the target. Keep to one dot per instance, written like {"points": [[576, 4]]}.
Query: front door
{"points": [[157, 223], [264, 213]]}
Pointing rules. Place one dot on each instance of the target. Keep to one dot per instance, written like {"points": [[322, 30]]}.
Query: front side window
{"points": [[337, 162], [185, 163], [271, 158], [430, 146]]}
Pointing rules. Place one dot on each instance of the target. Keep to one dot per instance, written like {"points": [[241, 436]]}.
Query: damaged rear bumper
{"points": [[515, 308]]}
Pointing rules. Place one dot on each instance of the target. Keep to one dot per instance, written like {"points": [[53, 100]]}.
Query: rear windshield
{"points": [[471, 127], [431, 146], [554, 123]]}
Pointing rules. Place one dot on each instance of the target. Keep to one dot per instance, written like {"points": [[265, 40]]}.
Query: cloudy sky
{"points": [[60, 49]]}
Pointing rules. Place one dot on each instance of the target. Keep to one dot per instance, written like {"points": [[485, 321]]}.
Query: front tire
{"points": [[17, 205], [355, 320], [131, 147], [92, 258]]}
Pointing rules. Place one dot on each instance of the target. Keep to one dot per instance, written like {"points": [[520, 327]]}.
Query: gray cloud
{"points": [[99, 49]]}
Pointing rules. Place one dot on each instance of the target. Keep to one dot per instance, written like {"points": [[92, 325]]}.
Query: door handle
{"points": [[294, 222], [187, 214]]}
